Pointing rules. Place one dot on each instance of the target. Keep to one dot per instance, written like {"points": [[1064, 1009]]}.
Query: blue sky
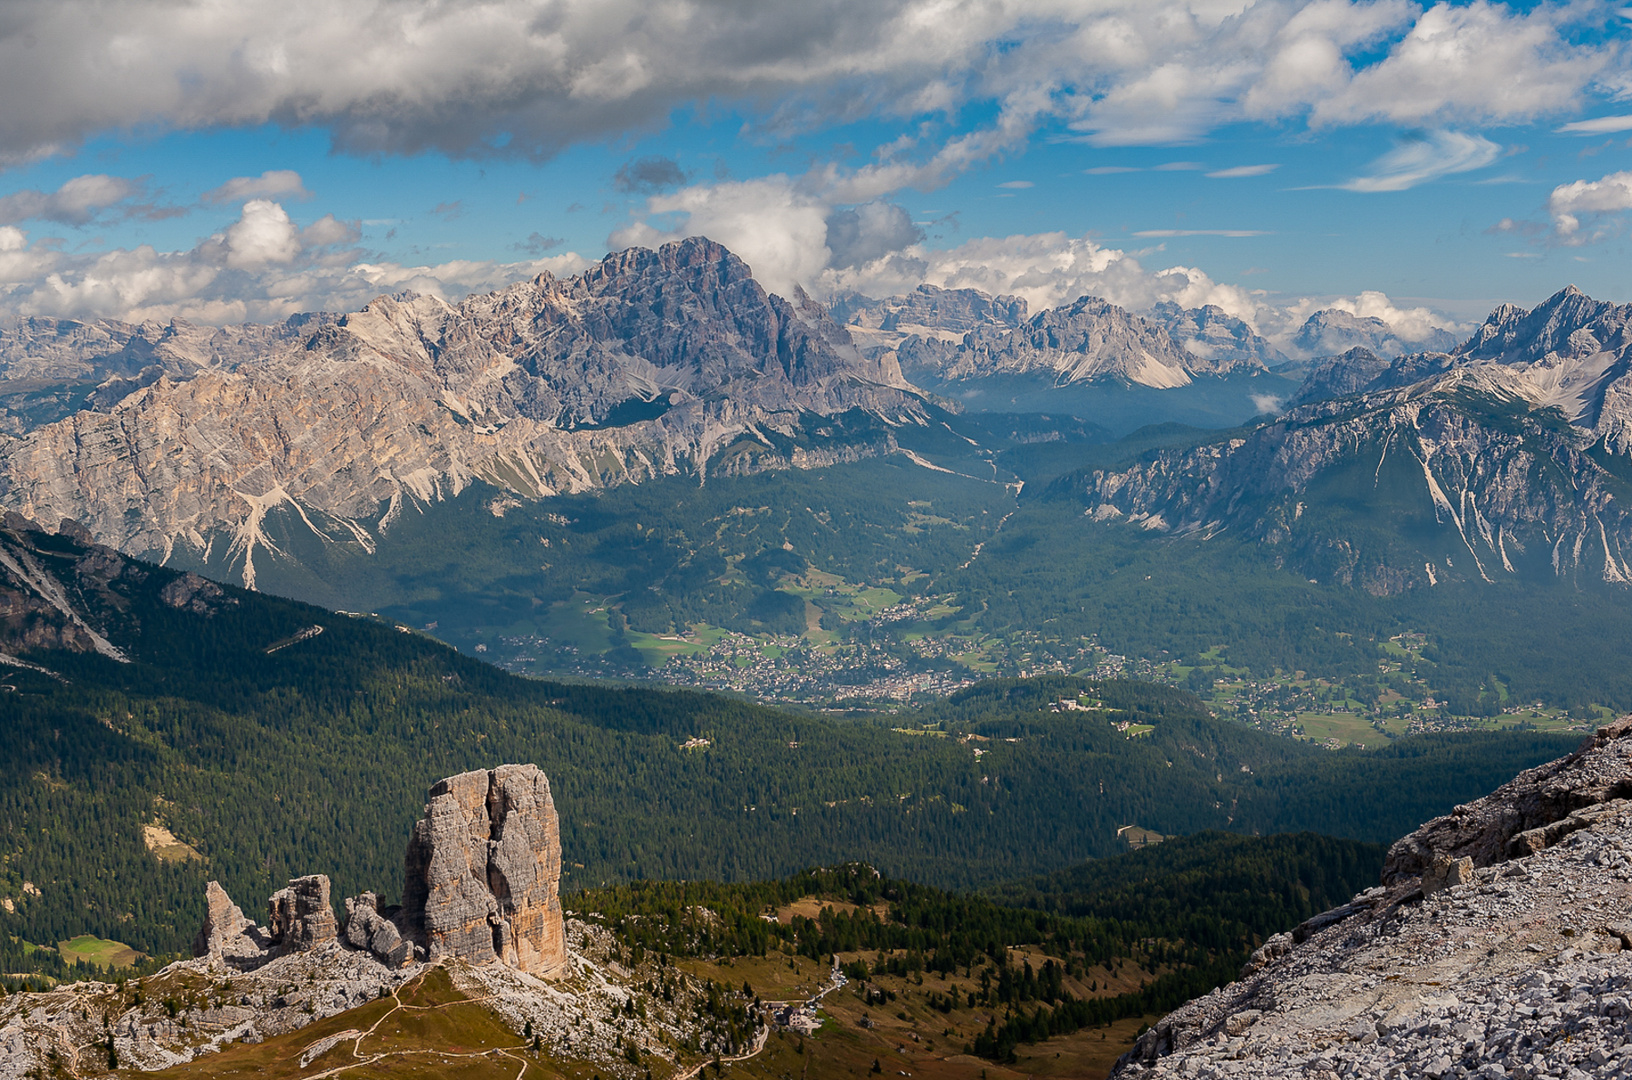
{"points": [[247, 160]]}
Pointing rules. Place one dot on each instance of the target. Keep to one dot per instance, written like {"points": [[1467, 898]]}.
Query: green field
{"points": [[98, 952]]}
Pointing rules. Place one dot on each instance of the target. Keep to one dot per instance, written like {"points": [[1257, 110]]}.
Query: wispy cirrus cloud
{"points": [[1426, 156], [1239, 171], [1599, 125], [1153, 234]]}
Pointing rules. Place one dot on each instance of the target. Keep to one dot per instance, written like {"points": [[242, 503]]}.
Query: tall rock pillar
{"points": [[482, 873]]}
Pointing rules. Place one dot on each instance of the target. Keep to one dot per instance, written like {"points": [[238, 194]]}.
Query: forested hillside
{"points": [[271, 751]]}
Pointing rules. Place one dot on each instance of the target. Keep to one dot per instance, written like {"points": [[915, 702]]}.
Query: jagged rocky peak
{"points": [[1219, 341], [1088, 340], [1336, 376], [932, 311], [1497, 944], [483, 871], [300, 917], [1332, 330], [647, 364], [1567, 325]]}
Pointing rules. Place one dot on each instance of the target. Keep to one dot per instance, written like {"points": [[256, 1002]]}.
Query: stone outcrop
{"points": [[300, 918], [368, 927], [482, 872], [226, 933], [1533, 811], [1497, 946], [482, 878]]}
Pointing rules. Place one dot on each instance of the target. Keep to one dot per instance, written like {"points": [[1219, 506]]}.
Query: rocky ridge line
{"points": [[650, 363], [1497, 945]]}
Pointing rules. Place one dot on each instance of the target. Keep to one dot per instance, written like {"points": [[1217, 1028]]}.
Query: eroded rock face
{"points": [[1497, 946], [300, 916], [1533, 811], [482, 872], [227, 937]]}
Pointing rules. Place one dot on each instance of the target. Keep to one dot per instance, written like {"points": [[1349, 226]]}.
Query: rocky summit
{"points": [[1498, 944]]}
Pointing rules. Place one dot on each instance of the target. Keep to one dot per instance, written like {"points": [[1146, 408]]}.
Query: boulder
{"points": [[300, 918], [482, 872], [367, 927]]}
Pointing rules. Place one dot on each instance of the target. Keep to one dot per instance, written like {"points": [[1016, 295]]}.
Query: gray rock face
{"points": [[1475, 436], [223, 922], [300, 918], [649, 363], [1218, 341], [932, 311], [226, 936], [1334, 331], [1503, 958], [1531, 812], [482, 872], [1081, 342]]}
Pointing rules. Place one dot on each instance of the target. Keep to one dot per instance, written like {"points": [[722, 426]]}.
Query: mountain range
{"points": [[212, 448], [1506, 456]]}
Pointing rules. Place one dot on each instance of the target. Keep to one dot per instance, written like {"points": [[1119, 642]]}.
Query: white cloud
{"points": [[260, 268], [1162, 233], [1596, 199], [1410, 325], [272, 184], [262, 236], [521, 77], [1426, 157], [1242, 170], [1017, 184], [76, 202], [1601, 125], [1477, 62]]}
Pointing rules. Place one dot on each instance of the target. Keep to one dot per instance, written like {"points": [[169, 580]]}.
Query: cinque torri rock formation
{"points": [[483, 869], [481, 884], [1498, 944]]}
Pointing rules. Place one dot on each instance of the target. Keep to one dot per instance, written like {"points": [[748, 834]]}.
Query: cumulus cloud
{"points": [[520, 77], [272, 184], [261, 267], [1473, 63], [1595, 200], [81, 200], [1426, 156], [1414, 324]]}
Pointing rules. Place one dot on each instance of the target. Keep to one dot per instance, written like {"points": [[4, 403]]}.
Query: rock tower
{"points": [[483, 870]]}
